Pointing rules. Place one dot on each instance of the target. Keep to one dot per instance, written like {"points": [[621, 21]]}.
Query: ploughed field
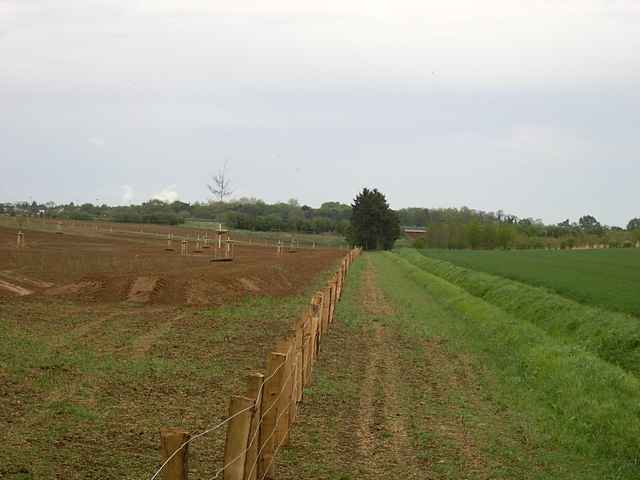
{"points": [[85, 264], [105, 338], [608, 278]]}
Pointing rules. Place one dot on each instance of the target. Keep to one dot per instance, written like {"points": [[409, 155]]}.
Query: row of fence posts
{"points": [[202, 240], [261, 419]]}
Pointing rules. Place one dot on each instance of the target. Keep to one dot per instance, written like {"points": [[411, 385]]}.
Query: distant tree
{"points": [[307, 211], [589, 224], [221, 185], [374, 225], [634, 224]]}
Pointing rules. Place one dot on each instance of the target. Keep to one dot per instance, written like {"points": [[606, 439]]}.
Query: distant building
{"points": [[413, 233]]}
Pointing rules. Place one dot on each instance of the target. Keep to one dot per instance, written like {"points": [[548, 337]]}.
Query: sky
{"points": [[529, 106]]}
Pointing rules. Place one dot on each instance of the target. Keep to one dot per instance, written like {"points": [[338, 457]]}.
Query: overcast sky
{"points": [[530, 106]]}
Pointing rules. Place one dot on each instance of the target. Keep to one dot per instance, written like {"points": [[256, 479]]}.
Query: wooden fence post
{"points": [[235, 450], [307, 347], [284, 402], [255, 391], [334, 297], [331, 292], [331, 298], [270, 404], [299, 380], [171, 439]]}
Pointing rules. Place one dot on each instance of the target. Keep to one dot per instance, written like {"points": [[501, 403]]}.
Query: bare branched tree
{"points": [[221, 185]]}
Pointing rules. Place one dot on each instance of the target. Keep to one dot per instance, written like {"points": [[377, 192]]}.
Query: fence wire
{"points": [[212, 429]]}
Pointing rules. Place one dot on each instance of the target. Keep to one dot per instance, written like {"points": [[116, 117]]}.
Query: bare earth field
{"points": [[105, 338], [89, 265]]}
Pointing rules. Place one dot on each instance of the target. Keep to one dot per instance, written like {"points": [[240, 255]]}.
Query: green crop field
{"points": [[605, 278]]}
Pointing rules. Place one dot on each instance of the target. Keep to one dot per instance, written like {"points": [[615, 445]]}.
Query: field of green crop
{"points": [[605, 278]]}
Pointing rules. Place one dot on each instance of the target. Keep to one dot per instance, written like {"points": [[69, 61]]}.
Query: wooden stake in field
{"points": [[279, 248], [184, 251], [293, 246], [169, 243], [20, 242], [198, 249], [229, 248], [218, 256], [220, 233]]}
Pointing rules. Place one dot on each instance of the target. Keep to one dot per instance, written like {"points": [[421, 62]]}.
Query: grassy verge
{"points": [[404, 390], [615, 337], [582, 409], [608, 278]]}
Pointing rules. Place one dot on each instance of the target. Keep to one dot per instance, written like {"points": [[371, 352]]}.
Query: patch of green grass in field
{"points": [[608, 278], [615, 337], [578, 409]]}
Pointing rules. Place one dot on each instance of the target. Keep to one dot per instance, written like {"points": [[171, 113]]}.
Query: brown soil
{"points": [[88, 265], [8, 274], [17, 289], [142, 289]]}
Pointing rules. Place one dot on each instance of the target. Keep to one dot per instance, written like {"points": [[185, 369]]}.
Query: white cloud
{"points": [[203, 42], [97, 142], [167, 194], [127, 194]]}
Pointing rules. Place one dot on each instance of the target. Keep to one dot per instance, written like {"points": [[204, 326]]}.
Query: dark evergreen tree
{"points": [[374, 225]]}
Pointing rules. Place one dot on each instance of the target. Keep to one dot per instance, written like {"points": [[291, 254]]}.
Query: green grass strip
{"points": [[615, 337], [586, 409]]}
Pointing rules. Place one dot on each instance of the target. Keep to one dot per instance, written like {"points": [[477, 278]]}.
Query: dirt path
{"points": [[384, 439]]}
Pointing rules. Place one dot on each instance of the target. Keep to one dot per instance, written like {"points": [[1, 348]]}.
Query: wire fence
{"points": [[259, 423], [195, 235]]}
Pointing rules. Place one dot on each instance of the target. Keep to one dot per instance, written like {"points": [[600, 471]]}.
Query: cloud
{"points": [[127, 194], [97, 142], [167, 194]]}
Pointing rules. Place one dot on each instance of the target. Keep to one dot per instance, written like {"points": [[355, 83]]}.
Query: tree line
{"points": [[445, 227], [474, 229], [245, 214]]}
